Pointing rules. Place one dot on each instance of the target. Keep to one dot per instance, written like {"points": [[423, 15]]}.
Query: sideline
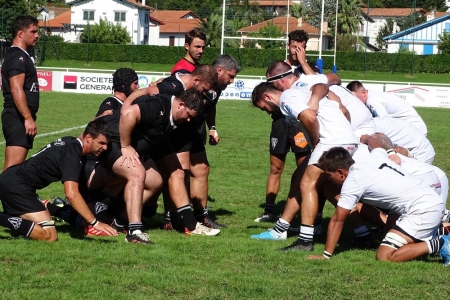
{"points": [[54, 132]]}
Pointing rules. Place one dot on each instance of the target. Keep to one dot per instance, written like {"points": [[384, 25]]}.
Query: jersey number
{"points": [[387, 166]]}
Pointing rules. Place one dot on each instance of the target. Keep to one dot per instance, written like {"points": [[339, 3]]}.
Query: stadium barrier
{"points": [[100, 82]]}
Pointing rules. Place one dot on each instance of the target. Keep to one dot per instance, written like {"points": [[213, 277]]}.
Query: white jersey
{"points": [[380, 182], [334, 128], [307, 81], [360, 117], [405, 135], [383, 104], [421, 170]]}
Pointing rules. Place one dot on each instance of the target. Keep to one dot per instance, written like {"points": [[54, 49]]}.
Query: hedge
{"points": [[258, 58]]}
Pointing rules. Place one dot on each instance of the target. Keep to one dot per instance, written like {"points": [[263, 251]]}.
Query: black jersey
{"points": [[61, 160], [171, 85], [17, 61], [156, 117], [115, 104]]}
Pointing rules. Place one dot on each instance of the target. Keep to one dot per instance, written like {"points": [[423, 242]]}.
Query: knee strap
{"points": [[393, 240]]}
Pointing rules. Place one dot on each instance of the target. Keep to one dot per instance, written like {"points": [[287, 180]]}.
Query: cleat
{"points": [[202, 230], [138, 237], [297, 246], [444, 253], [270, 235], [210, 223], [168, 226], [91, 231], [119, 227], [265, 217], [317, 229]]}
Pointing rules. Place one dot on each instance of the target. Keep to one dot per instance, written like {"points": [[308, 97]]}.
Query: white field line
{"points": [[54, 132]]}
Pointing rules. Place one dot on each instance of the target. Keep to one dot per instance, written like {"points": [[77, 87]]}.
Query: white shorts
{"points": [[321, 148], [422, 224], [432, 180]]}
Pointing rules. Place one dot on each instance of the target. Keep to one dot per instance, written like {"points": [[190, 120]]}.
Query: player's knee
{"points": [[200, 170], [177, 175], [391, 243], [48, 234]]}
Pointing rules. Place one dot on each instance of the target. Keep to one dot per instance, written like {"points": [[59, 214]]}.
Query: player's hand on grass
{"points": [[106, 229], [214, 137], [130, 157], [30, 126]]}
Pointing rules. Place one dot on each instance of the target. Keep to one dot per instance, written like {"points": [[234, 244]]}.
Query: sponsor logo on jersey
{"points": [[15, 222], [174, 85], [59, 142], [161, 113], [21, 59], [35, 87], [301, 84], [286, 107], [273, 142]]}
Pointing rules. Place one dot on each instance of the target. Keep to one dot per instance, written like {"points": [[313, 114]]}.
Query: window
{"points": [[120, 16], [447, 27], [172, 40], [88, 15]]}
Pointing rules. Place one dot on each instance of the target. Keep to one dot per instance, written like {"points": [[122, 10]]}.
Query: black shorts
{"points": [[17, 195], [189, 139], [14, 128], [285, 136]]}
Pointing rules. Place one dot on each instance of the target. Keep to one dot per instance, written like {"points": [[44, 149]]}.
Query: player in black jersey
{"points": [[60, 160], [21, 92]]}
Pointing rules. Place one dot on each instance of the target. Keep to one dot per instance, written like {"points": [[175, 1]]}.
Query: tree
{"points": [[9, 10], [444, 42], [384, 31], [297, 11], [346, 42], [349, 16], [313, 11], [246, 11], [270, 31], [105, 32], [413, 19], [212, 27]]}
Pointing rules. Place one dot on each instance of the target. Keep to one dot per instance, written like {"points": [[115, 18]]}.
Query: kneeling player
{"points": [[58, 161]]}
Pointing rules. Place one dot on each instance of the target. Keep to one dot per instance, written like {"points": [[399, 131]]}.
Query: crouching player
{"points": [[60, 160], [379, 182]]}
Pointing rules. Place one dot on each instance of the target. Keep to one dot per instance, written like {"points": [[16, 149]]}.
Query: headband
{"points": [[293, 70]]}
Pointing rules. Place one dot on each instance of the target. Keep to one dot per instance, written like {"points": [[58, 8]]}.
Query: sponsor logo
{"points": [[21, 59], [300, 140], [285, 107], [245, 94], [143, 81], [35, 87], [161, 114], [59, 142], [99, 207], [70, 82], [42, 82], [301, 84], [174, 85], [273, 142], [239, 85]]}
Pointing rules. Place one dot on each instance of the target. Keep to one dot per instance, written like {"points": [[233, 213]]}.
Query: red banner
{"points": [[45, 80]]}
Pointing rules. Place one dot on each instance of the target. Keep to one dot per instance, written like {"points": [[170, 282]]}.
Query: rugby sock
{"points": [[149, 210], [269, 208], [361, 232], [281, 226], [318, 219], [173, 217], [200, 213], [443, 231], [187, 216], [22, 226], [306, 234], [446, 217], [167, 217], [434, 245], [135, 226]]}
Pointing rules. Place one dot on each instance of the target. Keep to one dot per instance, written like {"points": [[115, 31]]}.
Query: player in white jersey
{"points": [[329, 126], [383, 104], [380, 182], [360, 117], [407, 136]]}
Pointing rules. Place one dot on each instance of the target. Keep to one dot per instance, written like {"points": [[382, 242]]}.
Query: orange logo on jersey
{"points": [[300, 140]]}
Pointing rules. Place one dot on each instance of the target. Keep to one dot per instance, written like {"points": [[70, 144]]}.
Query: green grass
{"points": [[349, 75], [229, 266]]}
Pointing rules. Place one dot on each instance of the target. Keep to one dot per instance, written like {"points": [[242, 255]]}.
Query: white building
{"points": [[168, 27], [422, 39]]}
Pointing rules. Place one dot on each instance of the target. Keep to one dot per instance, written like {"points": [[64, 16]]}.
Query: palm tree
{"points": [[246, 11], [297, 11], [212, 27], [349, 16]]}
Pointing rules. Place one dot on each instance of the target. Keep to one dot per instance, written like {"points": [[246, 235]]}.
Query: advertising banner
{"points": [[45, 79]]}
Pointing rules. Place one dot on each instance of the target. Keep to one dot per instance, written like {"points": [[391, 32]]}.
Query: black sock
{"points": [[149, 210], [22, 226], [135, 226], [187, 217], [269, 208]]}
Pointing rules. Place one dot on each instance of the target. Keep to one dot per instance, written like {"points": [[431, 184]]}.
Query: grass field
{"points": [[229, 266]]}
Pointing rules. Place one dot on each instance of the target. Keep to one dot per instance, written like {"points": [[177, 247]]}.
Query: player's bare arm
{"points": [[129, 117], [333, 79], [20, 101], [76, 200], [150, 90], [319, 91], [308, 118]]}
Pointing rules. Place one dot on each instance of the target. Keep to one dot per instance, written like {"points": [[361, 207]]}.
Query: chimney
{"points": [[325, 26], [300, 22], [143, 2]]}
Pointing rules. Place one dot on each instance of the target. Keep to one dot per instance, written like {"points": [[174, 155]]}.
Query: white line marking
{"points": [[54, 132]]}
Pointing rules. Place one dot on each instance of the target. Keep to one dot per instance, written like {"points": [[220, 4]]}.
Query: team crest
{"points": [[21, 59], [273, 142], [99, 207], [160, 114]]}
